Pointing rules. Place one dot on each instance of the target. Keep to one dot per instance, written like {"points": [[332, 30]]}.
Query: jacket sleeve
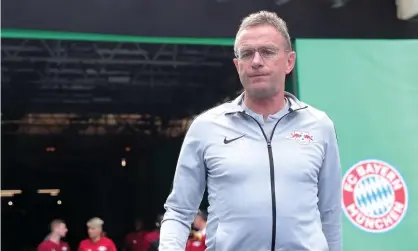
{"points": [[329, 191], [187, 192]]}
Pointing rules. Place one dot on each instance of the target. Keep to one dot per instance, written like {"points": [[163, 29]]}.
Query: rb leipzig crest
{"points": [[303, 138], [374, 196]]}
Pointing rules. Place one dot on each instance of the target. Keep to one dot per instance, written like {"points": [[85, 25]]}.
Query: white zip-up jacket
{"points": [[268, 191]]}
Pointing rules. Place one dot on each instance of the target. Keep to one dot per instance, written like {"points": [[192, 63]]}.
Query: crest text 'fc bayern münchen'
{"points": [[375, 196]]}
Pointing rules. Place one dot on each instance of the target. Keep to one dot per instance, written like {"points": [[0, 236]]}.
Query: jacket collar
{"points": [[235, 106]]}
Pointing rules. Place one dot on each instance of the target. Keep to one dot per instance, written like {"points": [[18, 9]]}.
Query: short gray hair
{"points": [[265, 18]]}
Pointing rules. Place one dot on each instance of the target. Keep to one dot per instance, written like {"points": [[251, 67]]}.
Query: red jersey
{"points": [[48, 245], [135, 241], [196, 244], [103, 244], [150, 238], [197, 241]]}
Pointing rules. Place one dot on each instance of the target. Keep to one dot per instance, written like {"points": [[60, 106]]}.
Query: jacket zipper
{"points": [[272, 181]]}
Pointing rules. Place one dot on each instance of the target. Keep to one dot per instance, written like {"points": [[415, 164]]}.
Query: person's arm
{"points": [[329, 191], [187, 192]]}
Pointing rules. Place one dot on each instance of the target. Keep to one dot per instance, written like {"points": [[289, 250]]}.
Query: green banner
{"points": [[369, 88], [95, 37]]}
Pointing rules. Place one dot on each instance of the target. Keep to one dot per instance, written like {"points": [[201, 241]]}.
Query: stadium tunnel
{"points": [[103, 123], [100, 119]]}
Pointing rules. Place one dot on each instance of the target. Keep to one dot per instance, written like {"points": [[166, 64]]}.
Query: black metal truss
{"points": [[59, 62], [73, 76]]}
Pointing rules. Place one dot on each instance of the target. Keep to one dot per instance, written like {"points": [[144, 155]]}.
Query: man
{"points": [[53, 241], [151, 239], [134, 241], [197, 239], [270, 162], [96, 240]]}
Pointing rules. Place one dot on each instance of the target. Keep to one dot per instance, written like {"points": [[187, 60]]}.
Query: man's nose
{"points": [[257, 60]]}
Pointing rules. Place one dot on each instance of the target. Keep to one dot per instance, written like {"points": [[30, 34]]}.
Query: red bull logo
{"points": [[301, 137]]}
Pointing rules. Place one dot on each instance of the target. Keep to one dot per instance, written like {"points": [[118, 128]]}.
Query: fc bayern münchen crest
{"points": [[375, 196]]}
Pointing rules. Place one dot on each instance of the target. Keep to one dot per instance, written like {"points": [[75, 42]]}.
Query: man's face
{"points": [[264, 61], [198, 222], [61, 229], [94, 232]]}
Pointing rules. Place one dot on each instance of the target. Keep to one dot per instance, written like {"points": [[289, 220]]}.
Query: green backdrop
{"points": [[370, 89]]}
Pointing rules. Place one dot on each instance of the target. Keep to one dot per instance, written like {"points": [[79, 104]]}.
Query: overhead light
{"points": [[119, 79], [91, 71], [10, 193], [10, 203], [338, 3], [52, 192], [281, 2], [50, 149]]}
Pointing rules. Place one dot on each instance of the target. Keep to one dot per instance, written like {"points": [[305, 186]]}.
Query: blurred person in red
{"points": [[96, 241], [53, 240], [134, 241], [152, 239], [197, 238]]}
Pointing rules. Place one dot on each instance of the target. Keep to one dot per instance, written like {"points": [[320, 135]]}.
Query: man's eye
{"points": [[246, 54], [268, 52]]}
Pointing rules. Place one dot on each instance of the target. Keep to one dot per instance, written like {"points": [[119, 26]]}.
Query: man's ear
{"points": [[235, 63], [291, 59]]}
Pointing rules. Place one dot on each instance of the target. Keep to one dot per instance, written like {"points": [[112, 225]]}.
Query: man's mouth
{"points": [[257, 75]]}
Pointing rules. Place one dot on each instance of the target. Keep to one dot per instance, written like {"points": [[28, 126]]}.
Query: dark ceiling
{"points": [[83, 82], [208, 18], [55, 93], [71, 76]]}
